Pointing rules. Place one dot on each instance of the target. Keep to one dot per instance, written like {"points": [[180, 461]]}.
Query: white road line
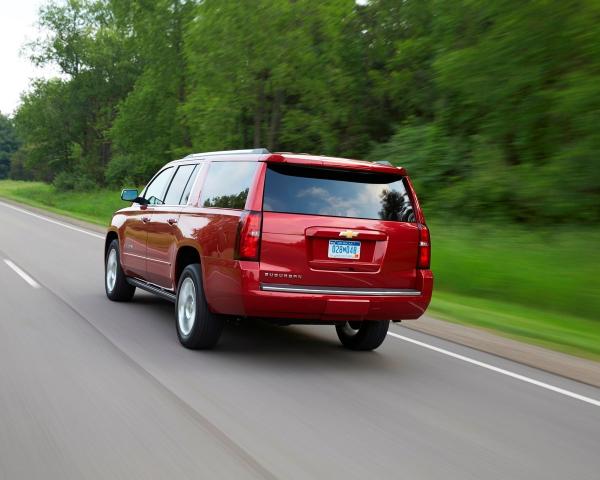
{"points": [[70, 227], [22, 274], [508, 373]]}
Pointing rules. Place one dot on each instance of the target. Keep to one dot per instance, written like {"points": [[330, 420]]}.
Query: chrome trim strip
{"points": [[373, 292], [156, 260], [134, 255]]}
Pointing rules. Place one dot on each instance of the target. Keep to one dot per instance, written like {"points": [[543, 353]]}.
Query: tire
{"points": [[197, 327], [366, 335], [115, 282]]}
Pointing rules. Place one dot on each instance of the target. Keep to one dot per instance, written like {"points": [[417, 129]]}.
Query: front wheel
{"points": [[197, 327], [362, 335], [115, 283]]}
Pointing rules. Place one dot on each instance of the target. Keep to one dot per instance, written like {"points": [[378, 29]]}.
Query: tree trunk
{"points": [[258, 113], [275, 124], [178, 13]]}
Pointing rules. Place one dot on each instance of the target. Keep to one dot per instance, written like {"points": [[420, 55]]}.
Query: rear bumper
{"points": [[327, 304]]}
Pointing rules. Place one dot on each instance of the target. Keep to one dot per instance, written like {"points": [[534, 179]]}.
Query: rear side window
{"points": [[155, 192], [178, 184], [336, 193], [227, 184], [188, 188]]}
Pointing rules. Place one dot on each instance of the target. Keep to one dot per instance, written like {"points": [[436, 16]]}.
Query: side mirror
{"points": [[129, 195]]}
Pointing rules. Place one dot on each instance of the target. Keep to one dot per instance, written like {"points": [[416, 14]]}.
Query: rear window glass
{"points": [[227, 184], [188, 188], [336, 193], [178, 184]]}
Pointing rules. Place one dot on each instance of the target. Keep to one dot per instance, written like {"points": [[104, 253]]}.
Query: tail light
{"points": [[424, 248], [248, 239]]}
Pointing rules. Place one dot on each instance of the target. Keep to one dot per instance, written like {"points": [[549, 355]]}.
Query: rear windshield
{"points": [[336, 193]]}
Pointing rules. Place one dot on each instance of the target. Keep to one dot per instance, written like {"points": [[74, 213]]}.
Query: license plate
{"points": [[344, 249]]}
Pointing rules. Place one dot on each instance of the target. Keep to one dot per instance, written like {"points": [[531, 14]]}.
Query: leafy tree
{"points": [[269, 73], [8, 144], [47, 122], [96, 58], [148, 129], [516, 88]]}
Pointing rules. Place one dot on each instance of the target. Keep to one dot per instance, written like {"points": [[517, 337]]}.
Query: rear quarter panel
{"points": [[213, 232]]}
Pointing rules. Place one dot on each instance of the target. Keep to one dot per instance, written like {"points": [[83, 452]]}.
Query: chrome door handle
{"points": [[172, 221], [145, 219]]}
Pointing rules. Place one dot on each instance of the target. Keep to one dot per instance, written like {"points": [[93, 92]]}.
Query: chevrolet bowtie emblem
{"points": [[349, 234]]}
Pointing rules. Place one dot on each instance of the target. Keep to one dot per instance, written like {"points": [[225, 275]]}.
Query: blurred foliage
{"points": [[517, 94], [493, 107], [557, 330], [523, 265], [9, 144]]}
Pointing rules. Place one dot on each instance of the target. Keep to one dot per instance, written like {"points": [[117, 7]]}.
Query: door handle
{"points": [[172, 221], [145, 219]]}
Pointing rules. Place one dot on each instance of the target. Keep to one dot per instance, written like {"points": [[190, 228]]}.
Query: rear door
{"points": [[163, 229], [329, 227]]}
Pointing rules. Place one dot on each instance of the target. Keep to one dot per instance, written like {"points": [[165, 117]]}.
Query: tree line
{"points": [[493, 107]]}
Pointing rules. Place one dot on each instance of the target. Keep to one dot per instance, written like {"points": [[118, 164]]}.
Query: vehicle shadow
{"points": [[256, 342]]}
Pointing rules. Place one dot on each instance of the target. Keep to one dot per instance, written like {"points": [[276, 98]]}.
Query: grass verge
{"points": [[557, 331], [540, 286], [93, 206], [553, 268]]}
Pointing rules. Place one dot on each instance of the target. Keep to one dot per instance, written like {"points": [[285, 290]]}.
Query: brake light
{"points": [[424, 248], [248, 240]]}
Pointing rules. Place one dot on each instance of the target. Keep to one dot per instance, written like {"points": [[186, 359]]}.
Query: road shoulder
{"points": [[56, 216], [569, 366]]}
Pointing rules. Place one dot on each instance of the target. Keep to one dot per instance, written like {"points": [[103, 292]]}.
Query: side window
{"points": [[178, 184], [155, 192], [227, 184], [188, 188]]}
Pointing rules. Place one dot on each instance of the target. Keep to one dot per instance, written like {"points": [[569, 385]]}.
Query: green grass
{"points": [[94, 206], [536, 285], [555, 330], [554, 269]]}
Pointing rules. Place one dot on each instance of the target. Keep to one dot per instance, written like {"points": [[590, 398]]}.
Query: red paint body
{"points": [[293, 251]]}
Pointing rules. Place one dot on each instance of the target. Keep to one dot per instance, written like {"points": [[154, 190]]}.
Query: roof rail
{"points": [[256, 151], [384, 162]]}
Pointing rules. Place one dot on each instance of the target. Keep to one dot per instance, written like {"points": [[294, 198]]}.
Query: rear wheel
{"points": [[362, 335], [197, 327], [115, 283]]}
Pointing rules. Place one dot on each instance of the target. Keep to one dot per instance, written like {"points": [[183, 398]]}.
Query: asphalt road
{"points": [[95, 389]]}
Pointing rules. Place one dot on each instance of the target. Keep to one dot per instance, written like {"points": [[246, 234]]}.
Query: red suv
{"points": [[285, 237]]}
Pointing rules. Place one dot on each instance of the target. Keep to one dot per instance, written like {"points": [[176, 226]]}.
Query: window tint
{"points": [[180, 180], [155, 192], [188, 188], [336, 193], [227, 184]]}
